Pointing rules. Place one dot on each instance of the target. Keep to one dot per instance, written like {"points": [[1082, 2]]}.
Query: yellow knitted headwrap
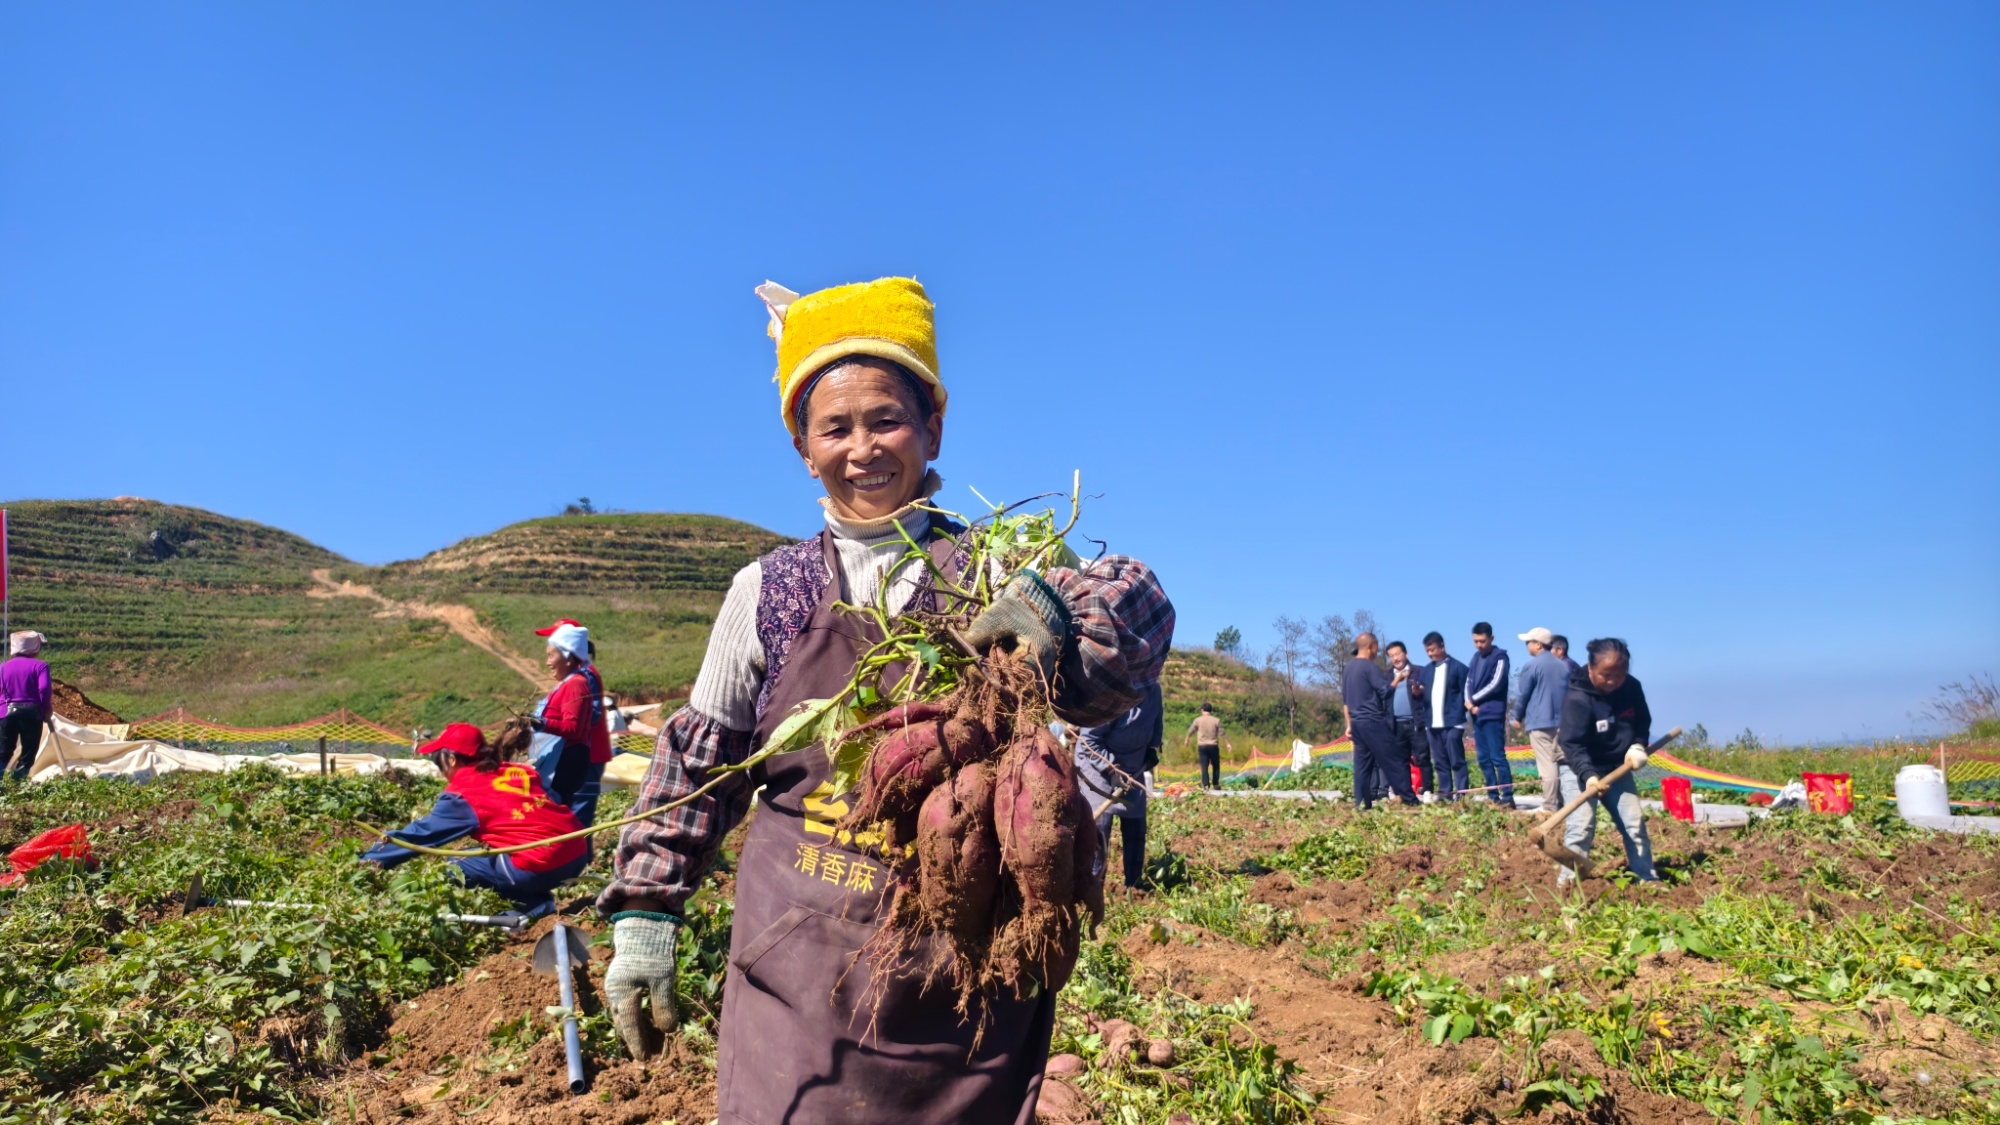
{"points": [[888, 319]]}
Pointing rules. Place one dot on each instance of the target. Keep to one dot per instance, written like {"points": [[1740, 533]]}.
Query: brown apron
{"points": [[810, 1033]]}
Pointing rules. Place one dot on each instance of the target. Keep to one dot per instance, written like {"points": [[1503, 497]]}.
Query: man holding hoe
{"points": [[810, 1030]]}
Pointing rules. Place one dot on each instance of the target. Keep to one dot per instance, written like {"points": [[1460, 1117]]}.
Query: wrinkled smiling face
{"points": [[1435, 652], [866, 442], [1398, 659]]}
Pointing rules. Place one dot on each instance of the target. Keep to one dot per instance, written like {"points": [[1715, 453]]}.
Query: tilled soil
{"points": [[447, 1059], [1355, 1057]]}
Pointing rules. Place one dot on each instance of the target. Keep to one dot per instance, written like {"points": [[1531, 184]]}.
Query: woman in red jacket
{"points": [[498, 804], [572, 743]]}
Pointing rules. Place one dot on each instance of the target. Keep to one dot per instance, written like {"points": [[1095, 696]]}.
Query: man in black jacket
{"points": [[1605, 724], [1444, 717], [1368, 693]]}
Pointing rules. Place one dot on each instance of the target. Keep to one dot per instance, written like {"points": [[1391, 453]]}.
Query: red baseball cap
{"points": [[558, 625], [462, 739]]}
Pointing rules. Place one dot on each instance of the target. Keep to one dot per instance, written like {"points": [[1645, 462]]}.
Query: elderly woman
{"points": [[28, 694], [572, 742], [810, 1031]]}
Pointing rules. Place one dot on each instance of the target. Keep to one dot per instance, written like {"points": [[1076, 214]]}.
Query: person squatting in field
{"points": [[572, 742], [1129, 745], [499, 804], [29, 697], [1368, 693], [1606, 724], [810, 1030]]}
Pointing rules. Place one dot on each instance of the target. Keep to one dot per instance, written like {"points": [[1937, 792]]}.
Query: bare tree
{"points": [[1286, 658], [1332, 648], [1966, 705], [1332, 645]]}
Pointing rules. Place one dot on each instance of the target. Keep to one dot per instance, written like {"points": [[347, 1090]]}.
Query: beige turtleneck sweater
{"points": [[732, 672]]}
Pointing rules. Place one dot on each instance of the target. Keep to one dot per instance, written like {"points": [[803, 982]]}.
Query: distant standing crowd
{"points": [[1583, 723]]}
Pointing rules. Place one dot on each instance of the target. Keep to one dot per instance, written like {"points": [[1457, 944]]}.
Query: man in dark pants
{"points": [[1445, 731], [27, 697], [1486, 706], [1406, 709], [1367, 691], [1206, 734], [1131, 744]]}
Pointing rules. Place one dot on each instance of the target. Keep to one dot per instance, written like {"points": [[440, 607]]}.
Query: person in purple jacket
{"points": [[28, 696]]}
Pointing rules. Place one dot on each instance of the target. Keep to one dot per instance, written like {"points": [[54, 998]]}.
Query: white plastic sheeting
{"points": [[73, 750]]}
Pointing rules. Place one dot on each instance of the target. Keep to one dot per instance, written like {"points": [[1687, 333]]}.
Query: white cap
{"points": [[27, 642], [1538, 635], [572, 639]]}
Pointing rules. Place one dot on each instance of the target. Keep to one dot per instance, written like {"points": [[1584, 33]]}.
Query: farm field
{"points": [[1307, 963]]}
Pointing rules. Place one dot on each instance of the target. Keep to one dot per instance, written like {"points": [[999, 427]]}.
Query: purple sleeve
{"points": [[665, 858], [45, 693], [1123, 625]]}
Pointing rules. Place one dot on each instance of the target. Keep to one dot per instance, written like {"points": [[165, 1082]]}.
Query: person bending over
{"points": [[499, 804], [1605, 724]]}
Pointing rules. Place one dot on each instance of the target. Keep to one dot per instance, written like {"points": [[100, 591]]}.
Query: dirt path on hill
{"points": [[458, 618]]}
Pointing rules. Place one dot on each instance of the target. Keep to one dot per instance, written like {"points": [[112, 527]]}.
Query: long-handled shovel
{"points": [[512, 921], [559, 950], [1545, 834]]}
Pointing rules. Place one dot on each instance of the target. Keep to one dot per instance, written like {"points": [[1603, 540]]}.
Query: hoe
{"points": [[1547, 835]]}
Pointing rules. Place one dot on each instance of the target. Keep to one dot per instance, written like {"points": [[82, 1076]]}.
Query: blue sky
{"points": [[1675, 323]]}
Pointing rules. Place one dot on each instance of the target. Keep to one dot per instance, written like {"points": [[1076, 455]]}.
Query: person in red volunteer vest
{"points": [[498, 804], [572, 765]]}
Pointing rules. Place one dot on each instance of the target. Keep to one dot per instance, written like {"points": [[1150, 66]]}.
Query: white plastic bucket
{"points": [[1920, 792]]}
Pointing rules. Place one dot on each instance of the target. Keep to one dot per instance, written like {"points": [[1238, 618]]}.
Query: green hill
{"points": [[1253, 704], [150, 606]]}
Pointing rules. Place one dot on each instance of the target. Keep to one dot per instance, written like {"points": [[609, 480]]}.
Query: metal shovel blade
{"points": [[193, 899], [1555, 849], [547, 950]]}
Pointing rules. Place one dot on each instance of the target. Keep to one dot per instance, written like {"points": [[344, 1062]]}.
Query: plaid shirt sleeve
{"points": [[665, 858], [1123, 626]]}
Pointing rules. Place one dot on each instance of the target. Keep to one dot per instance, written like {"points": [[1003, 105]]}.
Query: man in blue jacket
{"points": [[1606, 724], [1486, 705], [1444, 688], [1538, 708]]}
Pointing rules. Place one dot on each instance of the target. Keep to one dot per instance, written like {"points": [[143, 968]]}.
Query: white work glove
{"points": [[642, 964], [1636, 757]]}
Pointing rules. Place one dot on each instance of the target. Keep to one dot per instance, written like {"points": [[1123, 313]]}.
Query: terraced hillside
{"points": [[597, 552], [152, 606], [1252, 703]]}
